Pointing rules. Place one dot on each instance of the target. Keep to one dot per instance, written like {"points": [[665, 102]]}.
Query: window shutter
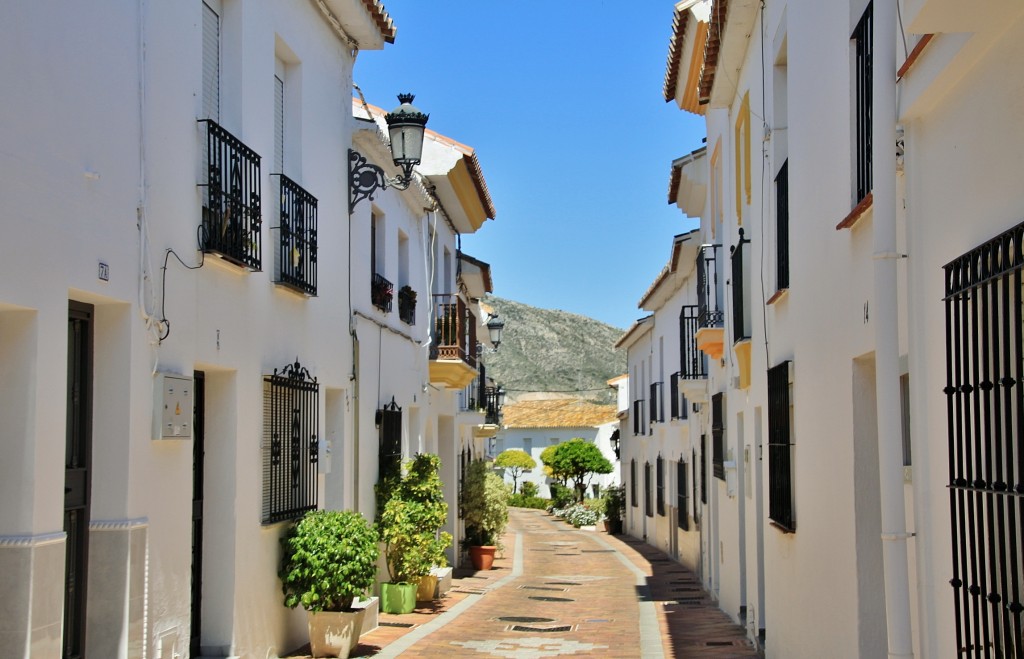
{"points": [[211, 64]]}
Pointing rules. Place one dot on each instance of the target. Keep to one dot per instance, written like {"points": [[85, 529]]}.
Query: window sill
{"points": [[779, 294], [857, 212], [781, 527]]}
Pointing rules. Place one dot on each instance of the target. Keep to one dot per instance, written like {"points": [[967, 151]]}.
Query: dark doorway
{"points": [[198, 459], [77, 461]]}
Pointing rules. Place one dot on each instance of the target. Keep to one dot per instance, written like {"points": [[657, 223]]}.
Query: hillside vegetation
{"points": [[547, 350]]}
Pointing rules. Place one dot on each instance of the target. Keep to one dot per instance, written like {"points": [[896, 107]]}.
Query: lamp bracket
{"points": [[366, 178]]}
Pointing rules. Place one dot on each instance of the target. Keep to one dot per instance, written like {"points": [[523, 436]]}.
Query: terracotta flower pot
{"points": [[334, 633], [482, 557], [397, 597]]}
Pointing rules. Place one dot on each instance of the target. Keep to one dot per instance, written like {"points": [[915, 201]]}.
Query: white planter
{"points": [[334, 633]]}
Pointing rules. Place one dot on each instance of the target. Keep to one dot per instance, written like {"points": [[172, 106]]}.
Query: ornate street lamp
{"points": [[405, 128], [495, 326]]}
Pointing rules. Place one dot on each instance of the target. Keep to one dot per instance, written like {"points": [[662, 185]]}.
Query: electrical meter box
{"points": [[172, 406]]}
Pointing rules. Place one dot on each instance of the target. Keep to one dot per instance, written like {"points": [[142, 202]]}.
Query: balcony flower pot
{"points": [[329, 558], [397, 597]]}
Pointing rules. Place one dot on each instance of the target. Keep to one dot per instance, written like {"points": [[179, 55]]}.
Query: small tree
{"points": [[514, 462], [579, 460], [547, 456]]}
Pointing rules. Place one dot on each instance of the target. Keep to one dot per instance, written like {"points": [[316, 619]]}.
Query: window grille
{"points": [[638, 418], [297, 246], [985, 417], [632, 483], [407, 305], [673, 386], [232, 211], [780, 453], [211, 64], [390, 453], [862, 112], [905, 417], [740, 330], [782, 227], [648, 504], [682, 494], [660, 469], [696, 508], [717, 439], [291, 446], [382, 292], [693, 363], [657, 411], [703, 469], [709, 313]]}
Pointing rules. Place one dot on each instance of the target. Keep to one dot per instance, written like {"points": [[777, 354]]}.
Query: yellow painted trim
{"points": [[691, 96], [711, 340], [453, 373], [485, 430], [465, 190], [742, 350], [716, 186], [743, 155]]}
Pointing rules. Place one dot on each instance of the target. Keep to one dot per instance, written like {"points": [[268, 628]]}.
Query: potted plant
{"points": [[614, 509], [329, 559], [485, 511], [410, 528]]}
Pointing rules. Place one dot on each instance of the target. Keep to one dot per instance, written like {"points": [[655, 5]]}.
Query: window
{"points": [[632, 483], [682, 494], [740, 321], [703, 469], [696, 508], [660, 469], [638, 418], [905, 417], [657, 413], [782, 227], [291, 447], [692, 364], [279, 118], [984, 376], [528, 446], [648, 507], [390, 448], [717, 433], [382, 291], [862, 112], [780, 459], [211, 63]]}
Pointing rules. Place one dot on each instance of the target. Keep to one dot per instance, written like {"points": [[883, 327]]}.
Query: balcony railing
{"points": [[709, 310], [492, 410], [297, 246], [407, 305], [232, 212], [657, 411], [678, 404], [693, 362], [454, 330], [740, 330], [381, 293]]}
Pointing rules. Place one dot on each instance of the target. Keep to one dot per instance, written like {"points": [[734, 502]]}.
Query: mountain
{"points": [[547, 350]]}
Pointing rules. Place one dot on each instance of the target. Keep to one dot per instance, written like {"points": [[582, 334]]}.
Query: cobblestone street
{"points": [[561, 591]]}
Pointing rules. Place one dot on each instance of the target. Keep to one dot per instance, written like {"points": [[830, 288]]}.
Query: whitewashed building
{"points": [[188, 336], [862, 378], [534, 425]]}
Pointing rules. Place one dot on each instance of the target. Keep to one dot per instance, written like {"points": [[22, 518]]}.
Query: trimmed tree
{"points": [[514, 462], [547, 457], [579, 460]]}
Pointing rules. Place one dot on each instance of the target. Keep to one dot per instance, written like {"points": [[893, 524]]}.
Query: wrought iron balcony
{"points": [[709, 309], [492, 406], [381, 293], [297, 243], [407, 305], [232, 212], [454, 330], [693, 362]]}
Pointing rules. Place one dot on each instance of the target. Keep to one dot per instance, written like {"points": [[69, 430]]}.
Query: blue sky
{"points": [[562, 102]]}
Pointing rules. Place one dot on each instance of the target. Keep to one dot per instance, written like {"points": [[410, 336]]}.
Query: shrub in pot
{"points": [[485, 511], [329, 559], [614, 508]]}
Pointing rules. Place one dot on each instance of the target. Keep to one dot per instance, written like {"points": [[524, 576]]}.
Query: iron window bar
{"points": [[291, 446], [454, 330], [862, 38], [632, 483], [660, 475], [673, 387], [389, 457], [782, 227], [682, 500], [780, 449], [693, 361], [657, 408], [407, 305], [648, 504], [985, 412], [382, 292], [232, 211], [739, 302], [297, 244], [717, 436], [709, 312], [492, 411], [638, 418]]}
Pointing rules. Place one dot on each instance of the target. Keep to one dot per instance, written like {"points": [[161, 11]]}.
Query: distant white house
{"points": [[534, 425]]}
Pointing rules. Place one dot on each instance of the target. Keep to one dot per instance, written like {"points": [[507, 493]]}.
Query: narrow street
{"points": [[561, 591]]}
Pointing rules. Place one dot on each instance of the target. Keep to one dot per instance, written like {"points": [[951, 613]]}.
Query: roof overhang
{"points": [[637, 330], [476, 276], [686, 54], [454, 171], [728, 37], [365, 21], [673, 275], [688, 183]]}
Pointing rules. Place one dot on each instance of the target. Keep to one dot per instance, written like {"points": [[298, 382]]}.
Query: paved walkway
{"points": [[562, 591]]}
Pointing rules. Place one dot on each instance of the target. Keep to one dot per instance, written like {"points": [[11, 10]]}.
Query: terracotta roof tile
{"points": [[719, 12], [561, 413], [381, 18], [679, 21]]}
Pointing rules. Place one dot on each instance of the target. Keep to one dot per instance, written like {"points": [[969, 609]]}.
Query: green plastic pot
{"points": [[397, 597]]}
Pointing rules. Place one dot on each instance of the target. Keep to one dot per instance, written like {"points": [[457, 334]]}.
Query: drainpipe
{"points": [[886, 326]]}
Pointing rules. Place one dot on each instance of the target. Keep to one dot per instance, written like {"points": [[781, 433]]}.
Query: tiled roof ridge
{"points": [[679, 22], [385, 25]]}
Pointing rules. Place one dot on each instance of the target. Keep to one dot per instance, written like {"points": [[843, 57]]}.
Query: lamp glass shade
{"points": [[501, 397], [494, 329], [405, 128]]}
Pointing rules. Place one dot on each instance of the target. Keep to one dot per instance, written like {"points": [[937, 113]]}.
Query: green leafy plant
{"points": [[329, 558], [579, 460], [615, 503], [410, 523], [529, 489], [524, 501], [484, 505], [561, 496], [514, 462]]}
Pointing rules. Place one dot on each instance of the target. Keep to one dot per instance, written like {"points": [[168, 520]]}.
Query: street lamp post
{"points": [[406, 125]]}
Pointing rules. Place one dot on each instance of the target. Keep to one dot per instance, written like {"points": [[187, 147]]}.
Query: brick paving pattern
{"points": [[575, 593]]}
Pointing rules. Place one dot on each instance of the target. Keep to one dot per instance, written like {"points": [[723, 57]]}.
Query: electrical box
{"points": [[172, 407]]}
